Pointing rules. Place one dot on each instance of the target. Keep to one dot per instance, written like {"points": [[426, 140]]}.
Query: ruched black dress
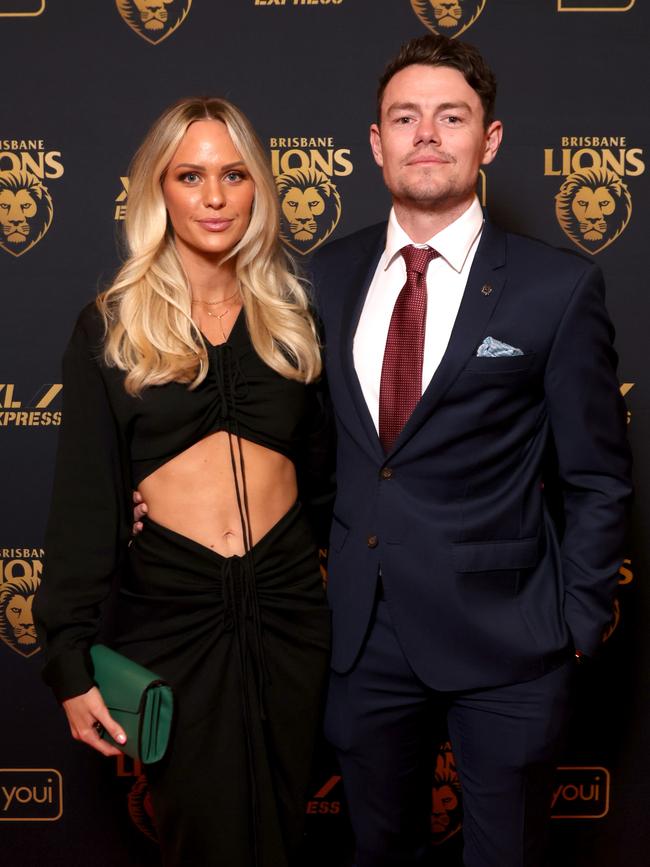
{"points": [[244, 641]]}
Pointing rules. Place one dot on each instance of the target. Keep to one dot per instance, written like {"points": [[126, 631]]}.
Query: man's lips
{"points": [[427, 160]]}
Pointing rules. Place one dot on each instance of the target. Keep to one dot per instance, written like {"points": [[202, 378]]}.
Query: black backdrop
{"points": [[81, 83]]}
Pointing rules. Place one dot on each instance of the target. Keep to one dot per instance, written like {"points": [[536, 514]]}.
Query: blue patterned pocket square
{"points": [[491, 348]]}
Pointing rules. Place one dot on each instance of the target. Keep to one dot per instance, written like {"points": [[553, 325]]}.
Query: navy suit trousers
{"points": [[385, 724]]}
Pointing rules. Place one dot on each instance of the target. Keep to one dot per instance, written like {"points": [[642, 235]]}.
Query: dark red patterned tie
{"points": [[401, 373]]}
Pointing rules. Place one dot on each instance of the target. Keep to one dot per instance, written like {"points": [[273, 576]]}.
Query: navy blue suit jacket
{"points": [[482, 590]]}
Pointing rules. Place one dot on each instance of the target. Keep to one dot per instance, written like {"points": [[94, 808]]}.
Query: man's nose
{"points": [[427, 132]]}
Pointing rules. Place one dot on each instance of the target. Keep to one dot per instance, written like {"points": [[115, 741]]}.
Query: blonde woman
{"points": [[194, 379]]}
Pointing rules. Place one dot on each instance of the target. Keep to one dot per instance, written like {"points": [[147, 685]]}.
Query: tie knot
{"points": [[417, 258]]}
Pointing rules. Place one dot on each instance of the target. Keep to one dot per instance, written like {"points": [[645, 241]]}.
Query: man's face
{"points": [[432, 140]]}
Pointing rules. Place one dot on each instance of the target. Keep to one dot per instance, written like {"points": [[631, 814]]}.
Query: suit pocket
{"points": [[501, 364], [495, 556], [338, 534]]}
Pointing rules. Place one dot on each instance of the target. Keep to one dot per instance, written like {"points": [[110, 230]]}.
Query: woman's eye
{"points": [[233, 177], [190, 177]]}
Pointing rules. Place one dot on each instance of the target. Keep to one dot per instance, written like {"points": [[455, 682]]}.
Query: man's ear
{"points": [[493, 136], [375, 144]]}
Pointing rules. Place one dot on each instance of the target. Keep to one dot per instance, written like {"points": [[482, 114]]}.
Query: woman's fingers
{"points": [[88, 716], [139, 511]]}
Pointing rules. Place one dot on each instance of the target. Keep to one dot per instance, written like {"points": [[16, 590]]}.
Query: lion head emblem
{"points": [[17, 628], [593, 207], [25, 211], [446, 801], [141, 808], [446, 806], [154, 20], [613, 623], [310, 208], [450, 17]]}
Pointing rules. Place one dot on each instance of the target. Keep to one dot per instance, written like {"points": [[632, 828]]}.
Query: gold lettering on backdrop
{"points": [[626, 387], [121, 200], [321, 803], [154, 20], [580, 793], [37, 412], [626, 572], [595, 5], [297, 2], [310, 202], [448, 17], [21, 8], [30, 795], [593, 205]]}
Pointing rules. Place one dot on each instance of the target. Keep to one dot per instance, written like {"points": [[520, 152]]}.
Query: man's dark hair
{"points": [[436, 50]]}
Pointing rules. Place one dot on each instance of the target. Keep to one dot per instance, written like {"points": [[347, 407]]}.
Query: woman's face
{"points": [[208, 190]]}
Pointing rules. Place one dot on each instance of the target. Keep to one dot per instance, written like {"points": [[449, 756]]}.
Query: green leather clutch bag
{"points": [[140, 701]]}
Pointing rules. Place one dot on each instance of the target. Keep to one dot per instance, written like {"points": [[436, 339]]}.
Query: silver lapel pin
{"points": [[487, 289]]}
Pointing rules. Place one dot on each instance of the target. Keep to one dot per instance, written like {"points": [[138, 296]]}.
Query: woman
{"points": [[193, 380]]}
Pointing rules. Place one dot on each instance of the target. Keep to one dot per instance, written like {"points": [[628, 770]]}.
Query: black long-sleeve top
{"points": [[109, 441]]}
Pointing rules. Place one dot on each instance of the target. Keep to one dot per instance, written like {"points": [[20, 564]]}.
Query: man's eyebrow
{"points": [[402, 106], [460, 103], [412, 106]]}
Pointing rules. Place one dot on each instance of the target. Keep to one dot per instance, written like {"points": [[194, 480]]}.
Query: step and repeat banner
{"points": [[82, 81]]}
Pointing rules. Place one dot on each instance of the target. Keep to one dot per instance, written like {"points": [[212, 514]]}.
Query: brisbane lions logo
{"points": [[449, 17], [593, 207], [310, 208], [154, 20], [613, 623], [25, 211], [141, 808], [446, 801], [17, 628]]}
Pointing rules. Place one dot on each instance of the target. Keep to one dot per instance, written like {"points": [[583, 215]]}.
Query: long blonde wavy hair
{"points": [[147, 310]]}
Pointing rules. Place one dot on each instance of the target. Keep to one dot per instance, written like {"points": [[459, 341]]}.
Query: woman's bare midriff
{"points": [[194, 494]]}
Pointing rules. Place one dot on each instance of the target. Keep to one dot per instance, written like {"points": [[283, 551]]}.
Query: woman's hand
{"points": [[87, 715], [139, 512]]}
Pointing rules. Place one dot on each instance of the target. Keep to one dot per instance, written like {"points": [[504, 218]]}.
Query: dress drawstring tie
{"points": [[240, 596]]}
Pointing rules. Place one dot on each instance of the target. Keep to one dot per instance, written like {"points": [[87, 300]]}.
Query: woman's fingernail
{"points": [[121, 738]]}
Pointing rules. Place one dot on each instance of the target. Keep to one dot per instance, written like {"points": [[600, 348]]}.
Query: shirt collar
{"points": [[453, 243]]}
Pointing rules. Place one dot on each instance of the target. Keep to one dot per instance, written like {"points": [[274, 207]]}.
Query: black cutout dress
{"points": [[244, 641]]}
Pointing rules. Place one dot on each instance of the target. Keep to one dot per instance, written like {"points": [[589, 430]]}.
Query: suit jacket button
{"points": [[373, 541], [386, 473]]}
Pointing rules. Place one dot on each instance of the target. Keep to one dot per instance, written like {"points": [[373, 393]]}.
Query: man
{"points": [[455, 375]]}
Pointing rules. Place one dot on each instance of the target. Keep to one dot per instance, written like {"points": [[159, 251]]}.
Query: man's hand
{"points": [[139, 512]]}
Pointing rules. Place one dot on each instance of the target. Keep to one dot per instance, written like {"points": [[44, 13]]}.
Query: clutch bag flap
{"points": [[139, 700]]}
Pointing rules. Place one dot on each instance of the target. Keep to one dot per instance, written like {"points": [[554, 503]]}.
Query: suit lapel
{"points": [[482, 293]]}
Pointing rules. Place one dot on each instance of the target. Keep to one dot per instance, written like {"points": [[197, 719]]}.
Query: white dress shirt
{"points": [[446, 281]]}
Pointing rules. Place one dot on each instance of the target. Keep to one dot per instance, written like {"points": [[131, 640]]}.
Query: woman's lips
{"points": [[215, 225]]}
